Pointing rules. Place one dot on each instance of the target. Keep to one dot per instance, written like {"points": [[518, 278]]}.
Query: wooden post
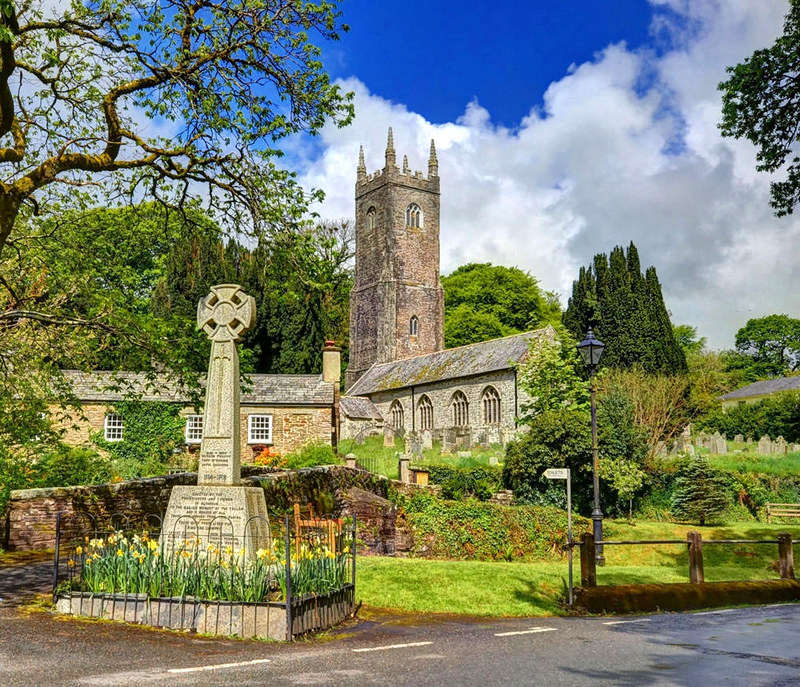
{"points": [[588, 561], [695, 542], [785, 555]]}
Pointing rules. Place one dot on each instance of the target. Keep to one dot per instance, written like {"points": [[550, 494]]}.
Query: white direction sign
{"points": [[556, 473]]}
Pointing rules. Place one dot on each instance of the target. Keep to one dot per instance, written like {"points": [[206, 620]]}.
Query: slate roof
{"points": [[263, 389], [464, 361], [359, 408], [768, 386]]}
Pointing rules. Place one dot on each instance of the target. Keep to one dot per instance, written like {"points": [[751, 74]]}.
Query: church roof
{"points": [[464, 361], [261, 389], [360, 408], [767, 386]]}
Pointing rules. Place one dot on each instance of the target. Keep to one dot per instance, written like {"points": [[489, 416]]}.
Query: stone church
{"points": [[400, 376]]}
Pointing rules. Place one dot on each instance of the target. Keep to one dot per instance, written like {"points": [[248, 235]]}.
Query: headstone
{"points": [[427, 440], [764, 446], [219, 510], [413, 443], [795, 448], [739, 439], [493, 460], [780, 447], [388, 436], [350, 460], [719, 444]]}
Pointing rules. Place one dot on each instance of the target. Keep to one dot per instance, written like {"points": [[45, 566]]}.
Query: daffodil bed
{"points": [[138, 564]]}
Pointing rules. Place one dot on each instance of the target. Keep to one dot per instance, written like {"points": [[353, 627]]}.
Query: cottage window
{"points": [[491, 406], [460, 408], [396, 413], [413, 326], [425, 408], [259, 429], [112, 427], [413, 216], [194, 429]]}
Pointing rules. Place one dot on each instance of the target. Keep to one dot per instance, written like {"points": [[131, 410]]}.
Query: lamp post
{"points": [[591, 349]]}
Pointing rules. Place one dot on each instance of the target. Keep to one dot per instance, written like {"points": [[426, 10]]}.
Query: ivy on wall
{"points": [[152, 432]]}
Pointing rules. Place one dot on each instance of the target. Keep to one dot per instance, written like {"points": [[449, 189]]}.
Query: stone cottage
{"points": [[398, 365]]}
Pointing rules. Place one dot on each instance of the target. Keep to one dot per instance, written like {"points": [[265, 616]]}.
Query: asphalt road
{"points": [[752, 646]]}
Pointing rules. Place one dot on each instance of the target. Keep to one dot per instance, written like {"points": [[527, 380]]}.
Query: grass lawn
{"points": [[531, 589], [777, 466]]}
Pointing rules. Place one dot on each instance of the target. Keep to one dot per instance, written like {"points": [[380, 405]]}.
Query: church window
{"points": [[491, 406], [371, 214], [413, 327], [425, 408], [460, 408], [396, 413], [413, 216], [112, 427]]}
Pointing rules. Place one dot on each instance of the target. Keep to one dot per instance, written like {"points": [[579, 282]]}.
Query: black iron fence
{"points": [[274, 579]]}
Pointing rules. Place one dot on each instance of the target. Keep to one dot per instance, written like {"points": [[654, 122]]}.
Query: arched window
{"points": [[491, 406], [413, 216], [413, 326], [371, 214], [425, 408], [460, 409], [396, 414]]}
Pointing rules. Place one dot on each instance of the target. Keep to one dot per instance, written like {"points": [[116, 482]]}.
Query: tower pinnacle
{"points": [[433, 163], [391, 158], [361, 170]]}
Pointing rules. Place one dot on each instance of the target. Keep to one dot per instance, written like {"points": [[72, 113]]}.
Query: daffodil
{"points": [[78, 550], [120, 553]]}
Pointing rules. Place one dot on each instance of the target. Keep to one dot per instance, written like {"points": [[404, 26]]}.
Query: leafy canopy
{"points": [[772, 342], [484, 301], [761, 102]]}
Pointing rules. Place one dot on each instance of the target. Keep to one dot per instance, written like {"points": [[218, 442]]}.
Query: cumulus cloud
{"points": [[624, 148]]}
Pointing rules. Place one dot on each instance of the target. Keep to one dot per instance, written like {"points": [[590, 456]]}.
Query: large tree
{"points": [[772, 343], [484, 301], [761, 102], [627, 311], [110, 102]]}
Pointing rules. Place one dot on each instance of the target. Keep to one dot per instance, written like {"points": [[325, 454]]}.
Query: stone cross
{"points": [[226, 314]]}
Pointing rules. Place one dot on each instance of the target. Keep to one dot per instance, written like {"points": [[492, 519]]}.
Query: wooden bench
{"points": [[782, 510]]}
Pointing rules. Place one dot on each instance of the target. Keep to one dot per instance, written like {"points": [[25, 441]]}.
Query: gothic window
{"points": [[491, 406], [413, 216], [371, 213], [425, 408], [396, 413], [460, 409], [413, 327]]}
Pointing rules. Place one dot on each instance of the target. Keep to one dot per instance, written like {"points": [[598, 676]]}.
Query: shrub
{"points": [[312, 454], [700, 493], [778, 415], [68, 466], [458, 483]]}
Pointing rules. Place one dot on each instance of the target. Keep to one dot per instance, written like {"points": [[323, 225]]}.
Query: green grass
{"points": [[777, 466], [529, 589], [383, 459]]}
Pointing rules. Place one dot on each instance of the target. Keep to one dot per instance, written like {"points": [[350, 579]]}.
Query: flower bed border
{"points": [[267, 620]]}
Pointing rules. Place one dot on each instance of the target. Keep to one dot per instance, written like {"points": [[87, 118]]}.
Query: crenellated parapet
{"points": [[392, 174]]}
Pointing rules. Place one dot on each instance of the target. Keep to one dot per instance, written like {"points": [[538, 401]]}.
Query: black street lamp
{"points": [[591, 349]]}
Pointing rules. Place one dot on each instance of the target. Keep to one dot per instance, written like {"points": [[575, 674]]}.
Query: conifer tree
{"points": [[627, 312], [700, 494]]}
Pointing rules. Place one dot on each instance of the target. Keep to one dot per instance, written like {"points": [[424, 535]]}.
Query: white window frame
{"points": [[259, 431], [194, 429], [113, 427]]}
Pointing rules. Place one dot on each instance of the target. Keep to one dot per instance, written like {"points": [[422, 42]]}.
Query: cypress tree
{"points": [[626, 309]]}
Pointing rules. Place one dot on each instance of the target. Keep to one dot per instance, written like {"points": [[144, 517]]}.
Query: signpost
{"points": [[563, 473]]}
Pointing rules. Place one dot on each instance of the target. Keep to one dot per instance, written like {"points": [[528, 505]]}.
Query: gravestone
{"points": [[739, 439], [764, 446], [219, 511], [780, 447]]}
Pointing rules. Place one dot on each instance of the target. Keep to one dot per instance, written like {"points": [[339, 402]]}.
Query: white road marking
{"points": [[533, 630], [219, 666], [623, 622], [391, 646], [724, 610]]}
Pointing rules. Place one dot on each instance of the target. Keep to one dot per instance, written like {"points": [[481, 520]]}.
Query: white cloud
{"points": [[606, 161]]}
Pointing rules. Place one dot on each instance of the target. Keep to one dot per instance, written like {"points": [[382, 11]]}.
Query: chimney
{"points": [[331, 362]]}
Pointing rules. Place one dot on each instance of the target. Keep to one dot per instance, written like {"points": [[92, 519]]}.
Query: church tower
{"points": [[397, 302]]}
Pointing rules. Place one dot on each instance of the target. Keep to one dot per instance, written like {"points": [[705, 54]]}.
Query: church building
{"points": [[400, 375]]}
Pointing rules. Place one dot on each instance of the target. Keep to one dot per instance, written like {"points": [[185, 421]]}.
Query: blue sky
{"points": [[566, 128], [437, 55]]}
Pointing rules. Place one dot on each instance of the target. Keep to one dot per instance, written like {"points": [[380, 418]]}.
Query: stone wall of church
{"points": [[441, 396]]}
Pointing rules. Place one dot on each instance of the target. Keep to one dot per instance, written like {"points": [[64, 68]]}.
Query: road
{"points": [[750, 646]]}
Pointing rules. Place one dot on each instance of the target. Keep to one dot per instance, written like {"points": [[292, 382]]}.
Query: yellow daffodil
{"points": [[71, 563], [152, 544], [79, 550], [120, 553]]}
